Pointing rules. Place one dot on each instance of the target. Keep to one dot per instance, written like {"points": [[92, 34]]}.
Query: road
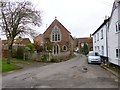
{"points": [[74, 73]]}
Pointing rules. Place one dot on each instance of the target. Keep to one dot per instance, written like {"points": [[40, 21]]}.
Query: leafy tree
{"points": [[38, 47], [84, 49], [48, 45], [31, 47], [16, 19]]}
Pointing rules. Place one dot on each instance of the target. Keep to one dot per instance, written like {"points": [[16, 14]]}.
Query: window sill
{"points": [[55, 41], [117, 32]]}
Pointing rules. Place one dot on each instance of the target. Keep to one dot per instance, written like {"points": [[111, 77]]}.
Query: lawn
{"points": [[72, 56], [8, 67], [14, 64]]}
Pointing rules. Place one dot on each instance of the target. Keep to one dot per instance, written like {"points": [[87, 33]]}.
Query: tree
{"points": [[48, 45], [38, 47], [84, 49], [31, 47], [16, 19]]}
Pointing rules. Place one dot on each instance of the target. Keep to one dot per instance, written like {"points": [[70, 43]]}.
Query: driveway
{"points": [[74, 73]]}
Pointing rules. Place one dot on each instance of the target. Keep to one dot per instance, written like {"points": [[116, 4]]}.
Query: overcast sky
{"points": [[80, 17]]}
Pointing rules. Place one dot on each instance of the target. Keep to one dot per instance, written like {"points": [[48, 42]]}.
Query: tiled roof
{"points": [[88, 39], [23, 41], [105, 21], [56, 21]]}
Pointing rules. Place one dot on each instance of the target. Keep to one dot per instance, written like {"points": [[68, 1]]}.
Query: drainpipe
{"points": [[107, 40]]}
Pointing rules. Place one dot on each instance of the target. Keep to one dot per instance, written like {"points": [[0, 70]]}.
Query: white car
{"points": [[93, 57]]}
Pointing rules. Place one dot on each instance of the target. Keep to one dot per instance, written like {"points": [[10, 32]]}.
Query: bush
{"points": [[14, 51], [53, 60], [20, 52], [84, 49], [31, 47], [44, 58]]}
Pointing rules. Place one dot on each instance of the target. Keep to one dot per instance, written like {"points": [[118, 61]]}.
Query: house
{"points": [[106, 39], [17, 42], [88, 41], [100, 39], [38, 40], [114, 34], [57, 39], [22, 41]]}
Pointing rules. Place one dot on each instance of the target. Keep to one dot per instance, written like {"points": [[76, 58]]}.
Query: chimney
{"points": [[90, 35], [106, 17]]}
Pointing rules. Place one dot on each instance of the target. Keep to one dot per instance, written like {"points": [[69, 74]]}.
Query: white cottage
{"points": [[114, 34], [100, 42]]}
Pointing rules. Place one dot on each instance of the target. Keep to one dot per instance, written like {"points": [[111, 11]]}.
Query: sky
{"points": [[80, 17]]}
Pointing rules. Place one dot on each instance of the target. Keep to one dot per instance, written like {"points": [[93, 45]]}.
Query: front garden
{"points": [[17, 64]]}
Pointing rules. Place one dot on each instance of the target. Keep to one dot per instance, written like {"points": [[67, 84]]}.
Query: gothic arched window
{"points": [[55, 34]]}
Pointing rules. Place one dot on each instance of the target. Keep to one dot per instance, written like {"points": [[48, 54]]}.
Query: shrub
{"points": [[31, 47], [44, 58], [20, 52]]}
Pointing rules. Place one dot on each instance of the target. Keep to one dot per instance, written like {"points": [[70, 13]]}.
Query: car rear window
{"points": [[93, 54]]}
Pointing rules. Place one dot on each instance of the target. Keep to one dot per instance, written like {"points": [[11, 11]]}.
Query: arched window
{"points": [[55, 34], [64, 48]]}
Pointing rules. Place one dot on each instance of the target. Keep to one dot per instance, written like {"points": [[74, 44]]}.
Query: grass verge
{"points": [[15, 64], [8, 67], [112, 68], [72, 56]]}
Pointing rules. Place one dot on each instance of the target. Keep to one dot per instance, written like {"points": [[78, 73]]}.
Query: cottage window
{"points": [[55, 34], [102, 50], [118, 27], [95, 39], [95, 48], [101, 34], [117, 51], [97, 36], [98, 48]]}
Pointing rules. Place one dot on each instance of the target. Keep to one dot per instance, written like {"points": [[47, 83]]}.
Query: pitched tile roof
{"points": [[57, 22]]}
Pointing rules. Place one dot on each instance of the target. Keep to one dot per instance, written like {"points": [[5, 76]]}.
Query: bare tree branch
{"points": [[16, 18]]}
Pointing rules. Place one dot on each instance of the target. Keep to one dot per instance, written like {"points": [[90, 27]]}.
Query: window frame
{"points": [[97, 36], [98, 48], [102, 50], [102, 34], [55, 34], [95, 39], [117, 26], [117, 53], [63, 47]]}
